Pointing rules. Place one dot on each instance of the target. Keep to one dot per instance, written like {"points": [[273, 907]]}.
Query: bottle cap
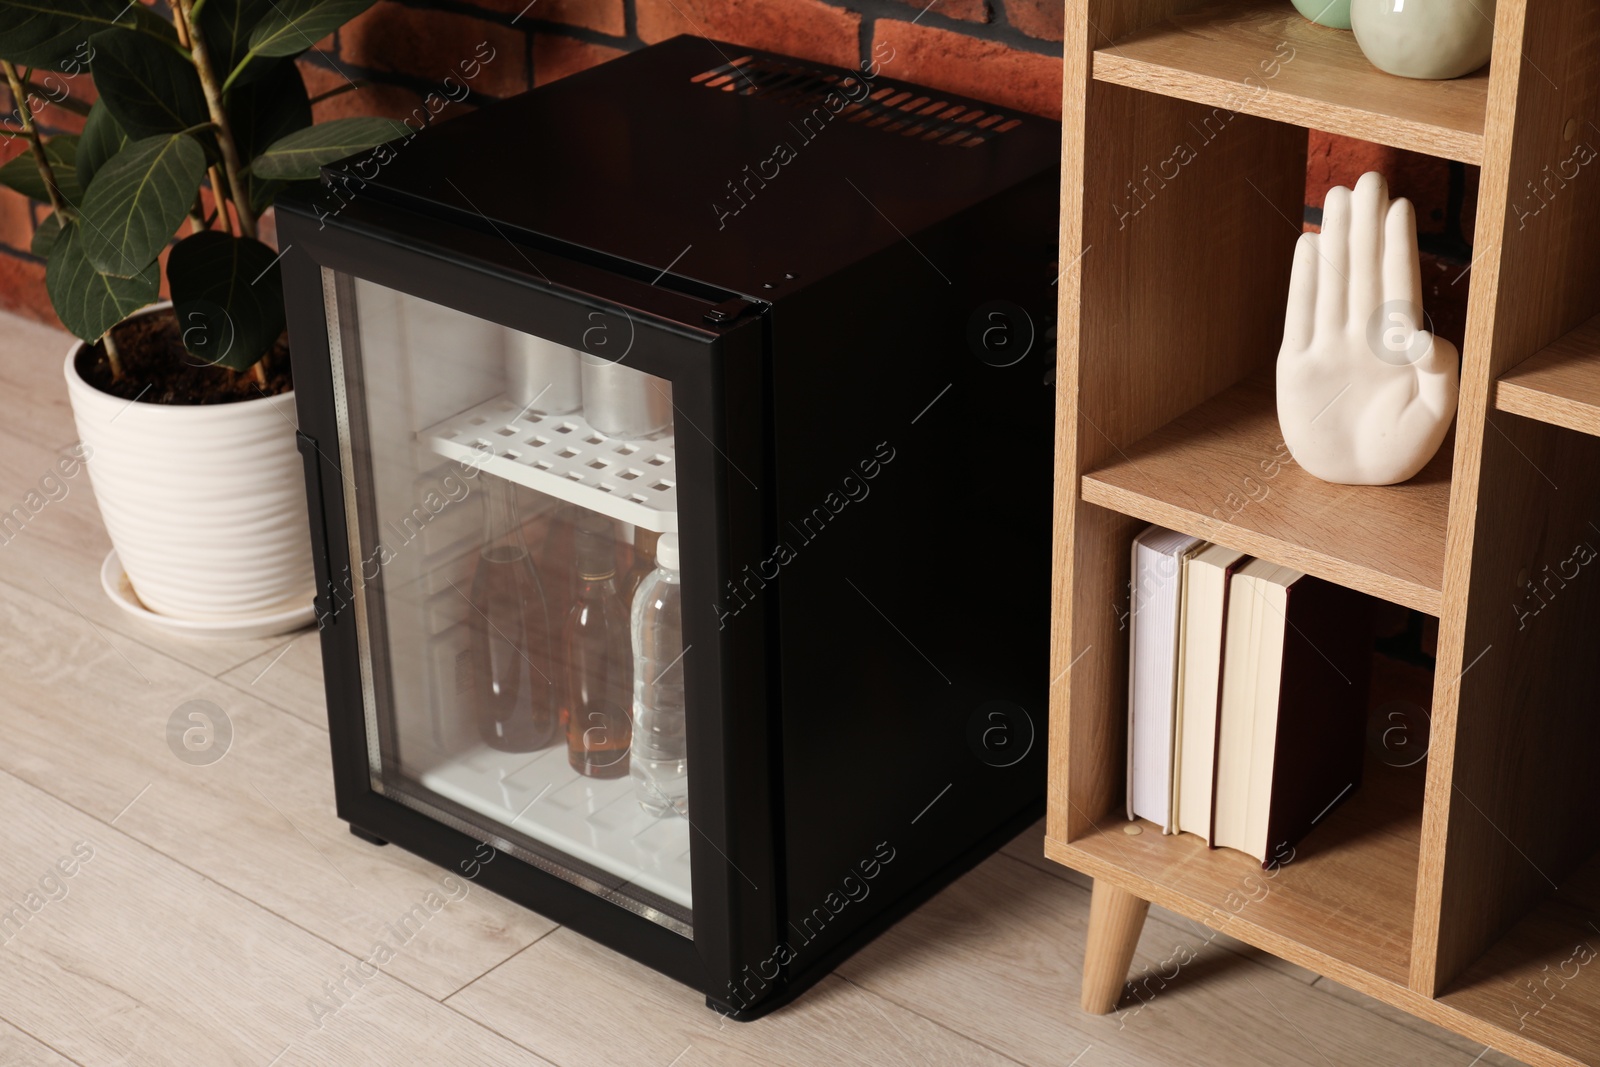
{"points": [[667, 551]]}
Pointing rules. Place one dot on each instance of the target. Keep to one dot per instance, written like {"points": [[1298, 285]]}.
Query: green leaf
{"points": [[88, 302], [46, 33], [229, 297], [262, 194], [22, 173], [226, 25], [138, 199], [268, 109], [296, 25], [45, 235], [264, 111], [149, 87], [302, 154], [103, 137]]}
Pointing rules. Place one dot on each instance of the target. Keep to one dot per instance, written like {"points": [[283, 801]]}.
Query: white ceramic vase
{"points": [[1435, 39], [205, 504]]}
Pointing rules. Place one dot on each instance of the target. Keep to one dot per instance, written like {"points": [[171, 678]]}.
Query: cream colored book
{"points": [[1202, 617], [1292, 717]]}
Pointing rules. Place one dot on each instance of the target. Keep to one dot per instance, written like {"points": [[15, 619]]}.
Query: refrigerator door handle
{"points": [[325, 604]]}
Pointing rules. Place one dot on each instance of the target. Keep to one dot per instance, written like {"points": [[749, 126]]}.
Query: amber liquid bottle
{"points": [[511, 640], [598, 658]]}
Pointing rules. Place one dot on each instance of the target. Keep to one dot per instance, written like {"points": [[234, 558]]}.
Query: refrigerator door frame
{"points": [[719, 385]]}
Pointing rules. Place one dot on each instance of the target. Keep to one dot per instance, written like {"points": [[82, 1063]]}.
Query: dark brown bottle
{"points": [[598, 659], [511, 642]]}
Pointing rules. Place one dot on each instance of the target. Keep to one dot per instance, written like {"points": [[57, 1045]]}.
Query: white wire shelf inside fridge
{"points": [[564, 457], [598, 821]]}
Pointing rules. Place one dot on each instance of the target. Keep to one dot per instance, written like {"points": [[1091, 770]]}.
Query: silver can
{"points": [[622, 402], [542, 376]]}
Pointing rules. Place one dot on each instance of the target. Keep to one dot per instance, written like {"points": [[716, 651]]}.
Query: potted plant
{"points": [[186, 409]]}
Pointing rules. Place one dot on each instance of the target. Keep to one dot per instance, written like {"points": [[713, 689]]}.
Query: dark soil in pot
{"points": [[157, 370]]}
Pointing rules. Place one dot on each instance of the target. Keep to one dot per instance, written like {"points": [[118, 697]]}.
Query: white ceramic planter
{"points": [[1434, 39], [205, 505]]}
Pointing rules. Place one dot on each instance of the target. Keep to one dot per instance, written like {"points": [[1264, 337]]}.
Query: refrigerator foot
{"points": [[371, 839]]}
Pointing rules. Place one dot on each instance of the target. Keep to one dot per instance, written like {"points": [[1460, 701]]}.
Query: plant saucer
{"points": [[114, 580]]}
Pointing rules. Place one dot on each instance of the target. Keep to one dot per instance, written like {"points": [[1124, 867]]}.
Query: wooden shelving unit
{"points": [[1465, 889], [1220, 471], [1344, 908], [1560, 385], [1262, 58]]}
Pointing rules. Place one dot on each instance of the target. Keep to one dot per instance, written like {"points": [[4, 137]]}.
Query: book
{"points": [[1202, 618], [1291, 725], [1157, 560]]}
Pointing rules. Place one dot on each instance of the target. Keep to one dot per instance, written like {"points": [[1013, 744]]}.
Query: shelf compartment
{"points": [[1559, 384], [1205, 56], [1207, 474], [1541, 981], [564, 457], [1342, 906], [596, 820]]}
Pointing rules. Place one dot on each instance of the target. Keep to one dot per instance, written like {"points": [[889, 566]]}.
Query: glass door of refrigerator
{"points": [[515, 516]]}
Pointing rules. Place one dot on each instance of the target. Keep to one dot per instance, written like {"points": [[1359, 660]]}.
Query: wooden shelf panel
{"points": [[1322, 80], [1511, 988], [1209, 474], [1559, 385], [1342, 907]]}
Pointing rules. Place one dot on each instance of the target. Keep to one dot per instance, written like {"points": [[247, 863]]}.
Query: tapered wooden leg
{"points": [[1115, 919]]}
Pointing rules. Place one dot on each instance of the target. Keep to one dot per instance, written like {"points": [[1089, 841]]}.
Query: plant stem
{"points": [[112, 356], [20, 95], [197, 214], [201, 55], [219, 193], [180, 22]]}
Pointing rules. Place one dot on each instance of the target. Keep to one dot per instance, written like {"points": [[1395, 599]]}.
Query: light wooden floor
{"points": [[220, 901]]}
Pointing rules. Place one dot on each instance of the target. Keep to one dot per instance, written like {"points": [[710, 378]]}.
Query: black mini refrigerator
{"points": [[678, 438]]}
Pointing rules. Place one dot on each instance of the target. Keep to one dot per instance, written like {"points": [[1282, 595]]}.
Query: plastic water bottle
{"points": [[660, 755]]}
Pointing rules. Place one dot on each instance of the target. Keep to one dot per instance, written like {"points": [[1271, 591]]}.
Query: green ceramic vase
{"points": [[1434, 39], [1334, 13]]}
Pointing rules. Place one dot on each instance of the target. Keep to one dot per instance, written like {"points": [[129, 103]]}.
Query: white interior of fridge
{"points": [[439, 422], [596, 820], [564, 457]]}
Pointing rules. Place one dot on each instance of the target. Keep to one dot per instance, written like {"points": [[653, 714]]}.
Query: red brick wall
{"points": [[1007, 51]]}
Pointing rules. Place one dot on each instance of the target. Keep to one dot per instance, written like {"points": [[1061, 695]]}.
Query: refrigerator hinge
{"points": [[729, 310]]}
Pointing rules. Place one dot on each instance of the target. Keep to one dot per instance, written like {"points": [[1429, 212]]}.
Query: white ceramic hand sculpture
{"points": [[1364, 396]]}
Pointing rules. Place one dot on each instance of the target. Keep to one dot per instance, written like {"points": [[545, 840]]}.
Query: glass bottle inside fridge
{"points": [[513, 687], [558, 558], [659, 762], [598, 658]]}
